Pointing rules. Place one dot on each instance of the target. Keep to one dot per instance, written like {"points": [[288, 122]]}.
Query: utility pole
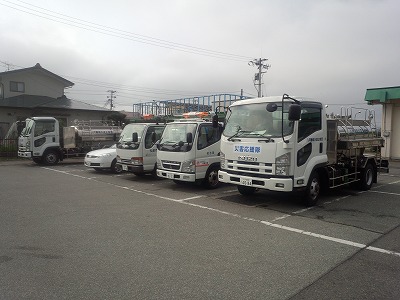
{"points": [[261, 64], [110, 98]]}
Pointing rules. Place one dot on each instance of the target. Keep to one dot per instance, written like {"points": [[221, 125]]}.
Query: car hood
{"points": [[103, 151]]}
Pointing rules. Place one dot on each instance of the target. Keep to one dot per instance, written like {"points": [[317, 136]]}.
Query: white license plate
{"points": [[125, 167], [170, 176], [245, 181]]}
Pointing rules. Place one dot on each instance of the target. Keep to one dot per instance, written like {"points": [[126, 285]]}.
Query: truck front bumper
{"points": [[272, 184], [138, 169], [24, 154], [176, 175]]}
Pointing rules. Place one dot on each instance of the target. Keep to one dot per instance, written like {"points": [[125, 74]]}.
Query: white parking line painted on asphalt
{"points": [[383, 251], [190, 198], [281, 218], [387, 193], [270, 224], [302, 210]]}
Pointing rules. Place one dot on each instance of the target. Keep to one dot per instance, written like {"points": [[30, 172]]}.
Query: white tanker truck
{"points": [[295, 146], [46, 142]]}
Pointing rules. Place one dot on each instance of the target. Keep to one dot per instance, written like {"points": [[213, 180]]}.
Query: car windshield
{"points": [[254, 120], [174, 137]]}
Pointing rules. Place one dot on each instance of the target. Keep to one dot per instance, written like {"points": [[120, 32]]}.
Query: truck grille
{"points": [[250, 168], [126, 161], [171, 165]]}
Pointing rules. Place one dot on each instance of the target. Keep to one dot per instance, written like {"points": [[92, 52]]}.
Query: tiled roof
{"points": [[31, 101], [39, 68]]}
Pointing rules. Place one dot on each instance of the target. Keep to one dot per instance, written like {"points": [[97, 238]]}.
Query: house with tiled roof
{"points": [[36, 91]]}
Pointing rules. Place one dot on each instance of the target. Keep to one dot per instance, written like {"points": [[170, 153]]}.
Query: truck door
{"points": [[207, 148], [310, 141], [150, 150], [44, 136]]}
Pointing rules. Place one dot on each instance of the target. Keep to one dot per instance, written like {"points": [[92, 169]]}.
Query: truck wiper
{"points": [[267, 140], [238, 133]]}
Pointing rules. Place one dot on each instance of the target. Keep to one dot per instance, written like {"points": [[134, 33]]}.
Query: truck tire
{"points": [[154, 172], [116, 168], [313, 190], [138, 174], [51, 158], [211, 180], [366, 177], [38, 160], [246, 190]]}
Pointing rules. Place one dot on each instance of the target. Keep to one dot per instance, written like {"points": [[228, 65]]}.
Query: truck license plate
{"points": [[170, 176], [245, 181], [125, 167]]}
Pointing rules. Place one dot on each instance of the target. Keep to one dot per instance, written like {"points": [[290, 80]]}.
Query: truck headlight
{"points": [[282, 164], [137, 160], [189, 166], [159, 165], [222, 157]]}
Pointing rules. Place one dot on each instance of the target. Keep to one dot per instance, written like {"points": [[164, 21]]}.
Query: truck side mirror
{"points": [[135, 137], [271, 107], [189, 137], [215, 121], [294, 112], [153, 137]]}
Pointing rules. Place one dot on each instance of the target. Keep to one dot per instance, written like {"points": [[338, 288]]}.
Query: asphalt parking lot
{"points": [[69, 232]]}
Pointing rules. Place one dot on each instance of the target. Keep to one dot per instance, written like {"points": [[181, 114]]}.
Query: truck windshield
{"points": [[28, 127], [174, 137], [253, 120], [125, 141]]}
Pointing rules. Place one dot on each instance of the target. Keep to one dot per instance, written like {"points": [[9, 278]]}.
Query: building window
{"points": [[17, 86]]}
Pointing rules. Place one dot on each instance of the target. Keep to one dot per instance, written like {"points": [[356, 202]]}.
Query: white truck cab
{"points": [[189, 150], [136, 149]]}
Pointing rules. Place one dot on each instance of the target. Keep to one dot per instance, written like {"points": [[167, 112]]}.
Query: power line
{"points": [[90, 26]]}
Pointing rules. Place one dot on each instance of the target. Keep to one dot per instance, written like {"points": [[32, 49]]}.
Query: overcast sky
{"points": [[330, 50]]}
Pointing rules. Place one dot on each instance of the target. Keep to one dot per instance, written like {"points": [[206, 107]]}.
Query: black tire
{"points": [[51, 158], [116, 168], [154, 172], [211, 180], [246, 190], [38, 160], [366, 177], [139, 174], [313, 190]]}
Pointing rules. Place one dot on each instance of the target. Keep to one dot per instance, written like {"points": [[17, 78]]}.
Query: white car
{"points": [[103, 159]]}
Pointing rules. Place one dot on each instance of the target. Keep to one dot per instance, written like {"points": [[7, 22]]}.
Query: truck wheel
{"points": [[367, 177], [138, 174], [50, 158], [211, 180], [154, 172], [38, 160], [313, 190], [246, 190], [116, 168]]}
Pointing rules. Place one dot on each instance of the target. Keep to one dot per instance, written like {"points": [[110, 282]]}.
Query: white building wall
{"points": [[395, 134], [36, 84]]}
